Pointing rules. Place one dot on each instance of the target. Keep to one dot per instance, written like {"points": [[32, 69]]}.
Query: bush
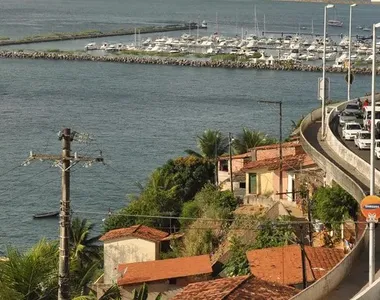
{"points": [[190, 209]]}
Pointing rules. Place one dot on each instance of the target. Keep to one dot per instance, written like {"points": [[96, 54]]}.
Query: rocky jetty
{"points": [[175, 61]]}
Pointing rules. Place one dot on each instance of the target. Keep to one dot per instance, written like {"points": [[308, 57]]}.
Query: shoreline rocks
{"points": [[177, 61]]}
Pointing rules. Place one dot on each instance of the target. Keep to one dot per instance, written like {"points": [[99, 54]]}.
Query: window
{"points": [[242, 185], [223, 166]]}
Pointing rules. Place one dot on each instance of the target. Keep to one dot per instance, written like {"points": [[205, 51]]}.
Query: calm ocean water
{"points": [[140, 115]]}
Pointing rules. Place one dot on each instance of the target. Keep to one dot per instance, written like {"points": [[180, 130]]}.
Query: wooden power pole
{"points": [[65, 162]]}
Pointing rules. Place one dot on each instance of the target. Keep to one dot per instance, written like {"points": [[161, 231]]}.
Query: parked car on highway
{"points": [[346, 116], [350, 130], [377, 149], [353, 108], [363, 140]]}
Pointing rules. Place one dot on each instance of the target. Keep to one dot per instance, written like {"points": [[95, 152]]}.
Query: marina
{"points": [[297, 49]]}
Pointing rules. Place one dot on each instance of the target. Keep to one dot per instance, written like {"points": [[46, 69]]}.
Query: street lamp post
{"points": [[349, 54], [372, 157], [230, 140], [324, 68]]}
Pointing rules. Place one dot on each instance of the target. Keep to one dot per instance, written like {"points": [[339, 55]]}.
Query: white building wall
{"points": [[126, 250]]}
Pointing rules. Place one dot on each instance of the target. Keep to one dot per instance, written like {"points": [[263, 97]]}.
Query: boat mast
{"points": [[264, 25], [256, 23], [217, 25], [236, 23]]}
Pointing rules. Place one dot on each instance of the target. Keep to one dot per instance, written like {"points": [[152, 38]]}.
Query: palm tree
{"points": [[84, 248], [113, 293], [249, 139], [211, 144], [31, 275]]}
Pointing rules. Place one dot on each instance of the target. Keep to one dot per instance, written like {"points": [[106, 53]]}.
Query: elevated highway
{"points": [[348, 167]]}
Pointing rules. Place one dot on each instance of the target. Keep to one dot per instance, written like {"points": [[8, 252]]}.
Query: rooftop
{"points": [[138, 231], [236, 288], [274, 146], [156, 270], [284, 265], [288, 162]]}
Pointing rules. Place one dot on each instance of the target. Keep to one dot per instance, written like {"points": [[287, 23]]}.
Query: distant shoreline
{"points": [[91, 34], [174, 61]]}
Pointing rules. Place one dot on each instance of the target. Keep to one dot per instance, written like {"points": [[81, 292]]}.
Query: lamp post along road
{"points": [[230, 140], [349, 54], [324, 67], [372, 157]]}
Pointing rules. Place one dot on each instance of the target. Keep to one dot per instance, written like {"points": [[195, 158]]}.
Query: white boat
{"points": [[331, 56], [359, 27], [366, 29], [204, 24], [91, 46], [111, 48], [335, 23], [104, 46], [312, 56]]}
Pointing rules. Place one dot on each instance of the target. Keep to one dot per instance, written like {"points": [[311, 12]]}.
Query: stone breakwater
{"points": [[177, 61]]}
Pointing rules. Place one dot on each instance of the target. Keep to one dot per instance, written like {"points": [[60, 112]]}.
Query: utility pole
{"points": [[230, 139], [279, 103], [64, 162], [216, 160], [304, 274]]}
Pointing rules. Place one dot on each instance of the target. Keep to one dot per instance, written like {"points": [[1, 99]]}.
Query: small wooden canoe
{"points": [[50, 214]]}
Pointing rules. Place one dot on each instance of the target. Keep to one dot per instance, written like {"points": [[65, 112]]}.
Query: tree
{"points": [[113, 293], [191, 174], [31, 275], [275, 234], [84, 248], [333, 205], [249, 139], [237, 263], [211, 144]]}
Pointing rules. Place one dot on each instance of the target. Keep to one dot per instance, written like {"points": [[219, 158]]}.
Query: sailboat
{"points": [[335, 22]]}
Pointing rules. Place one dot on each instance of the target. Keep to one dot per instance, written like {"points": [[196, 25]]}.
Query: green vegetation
{"points": [[333, 205], [249, 139], [142, 293], [238, 263], [34, 274], [168, 188]]}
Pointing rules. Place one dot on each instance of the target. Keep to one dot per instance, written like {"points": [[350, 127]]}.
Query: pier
{"points": [[177, 61], [59, 36]]}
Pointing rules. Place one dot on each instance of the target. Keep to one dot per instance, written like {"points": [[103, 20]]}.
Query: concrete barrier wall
{"points": [[319, 289], [356, 162], [370, 293]]}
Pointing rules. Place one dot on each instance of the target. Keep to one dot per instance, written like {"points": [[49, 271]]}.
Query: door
{"points": [[252, 183]]}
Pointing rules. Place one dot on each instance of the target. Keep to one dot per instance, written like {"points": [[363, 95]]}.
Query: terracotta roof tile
{"points": [[283, 264], [138, 231], [288, 162], [236, 288], [148, 271], [237, 156], [274, 146]]}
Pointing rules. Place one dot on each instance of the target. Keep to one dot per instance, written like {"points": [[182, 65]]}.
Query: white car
{"points": [[353, 108], [345, 117], [363, 140], [350, 130], [377, 149]]}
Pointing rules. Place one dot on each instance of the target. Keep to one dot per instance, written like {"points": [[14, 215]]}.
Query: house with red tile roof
{"points": [[269, 174], [283, 265], [133, 244], [258, 172], [236, 288], [165, 276]]}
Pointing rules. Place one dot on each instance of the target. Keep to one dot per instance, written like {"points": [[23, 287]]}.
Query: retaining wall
{"points": [[322, 287]]}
